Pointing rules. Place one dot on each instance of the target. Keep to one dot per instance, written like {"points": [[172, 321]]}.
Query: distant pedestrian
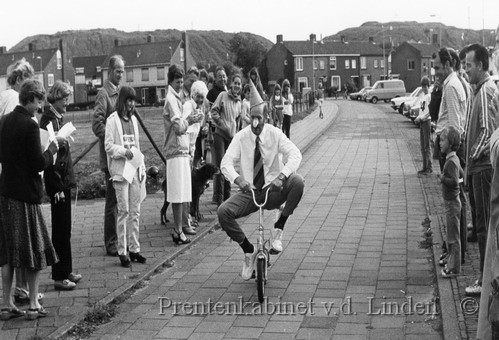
{"points": [[276, 104], [320, 97], [255, 78], [219, 85], [122, 145], [59, 180], [105, 104], [482, 123], [450, 139], [287, 111], [424, 122]]}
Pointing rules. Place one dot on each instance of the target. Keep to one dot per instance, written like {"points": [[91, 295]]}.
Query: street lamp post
{"points": [[313, 65], [383, 38], [439, 31]]}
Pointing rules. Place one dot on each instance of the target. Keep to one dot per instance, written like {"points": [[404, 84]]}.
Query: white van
{"points": [[386, 90]]}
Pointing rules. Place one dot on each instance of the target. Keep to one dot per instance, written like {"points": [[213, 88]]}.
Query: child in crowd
{"points": [[424, 122], [320, 98], [122, 145], [450, 179], [276, 106]]}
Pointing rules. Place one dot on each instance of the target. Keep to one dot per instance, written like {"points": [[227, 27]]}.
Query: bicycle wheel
{"points": [[260, 278]]}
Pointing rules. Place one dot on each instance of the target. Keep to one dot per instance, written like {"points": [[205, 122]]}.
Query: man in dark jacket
{"points": [[104, 106]]}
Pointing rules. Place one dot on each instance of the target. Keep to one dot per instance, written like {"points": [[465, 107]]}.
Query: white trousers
{"points": [[128, 197]]}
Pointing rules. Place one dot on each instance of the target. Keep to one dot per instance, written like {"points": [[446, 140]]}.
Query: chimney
{"points": [[32, 46], [312, 37], [371, 40], [116, 42], [434, 38], [150, 38], [342, 37], [3, 49], [279, 39]]}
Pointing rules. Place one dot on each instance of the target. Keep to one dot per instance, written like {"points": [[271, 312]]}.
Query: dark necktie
{"points": [[258, 177]]}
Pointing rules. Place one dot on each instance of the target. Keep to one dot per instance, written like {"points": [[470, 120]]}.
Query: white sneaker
{"points": [[248, 265], [473, 289], [277, 241]]}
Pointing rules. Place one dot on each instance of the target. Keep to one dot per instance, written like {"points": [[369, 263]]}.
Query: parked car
{"points": [[386, 90], [398, 103], [359, 95], [411, 111]]}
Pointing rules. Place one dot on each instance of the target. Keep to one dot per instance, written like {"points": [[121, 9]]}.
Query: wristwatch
{"points": [[281, 177]]}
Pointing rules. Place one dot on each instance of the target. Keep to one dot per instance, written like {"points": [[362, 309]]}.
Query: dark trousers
{"points": [[425, 131], [198, 152], [110, 216], [481, 191], [286, 124], [463, 221], [61, 236], [241, 204], [221, 190], [472, 206]]}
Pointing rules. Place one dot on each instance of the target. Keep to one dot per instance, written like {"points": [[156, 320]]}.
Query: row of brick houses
{"points": [[304, 63]]}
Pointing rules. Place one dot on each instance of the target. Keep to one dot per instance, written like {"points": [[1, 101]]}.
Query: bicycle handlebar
{"points": [[266, 197]]}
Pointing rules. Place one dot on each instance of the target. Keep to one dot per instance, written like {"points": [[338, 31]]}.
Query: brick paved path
{"points": [[351, 248]]}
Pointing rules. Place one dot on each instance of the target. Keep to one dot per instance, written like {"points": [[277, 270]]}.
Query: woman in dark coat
{"points": [[59, 180], [24, 239]]}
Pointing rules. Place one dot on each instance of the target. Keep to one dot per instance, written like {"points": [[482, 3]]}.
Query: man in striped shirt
{"points": [[482, 123]]}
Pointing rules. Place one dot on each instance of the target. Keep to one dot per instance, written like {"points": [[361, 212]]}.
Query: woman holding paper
{"points": [[59, 179], [127, 169]]}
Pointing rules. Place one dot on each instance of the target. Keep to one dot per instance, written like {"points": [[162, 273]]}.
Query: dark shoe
{"points": [[35, 313], [125, 261], [137, 257], [112, 253], [442, 262], [472, 237], [189, 231], [448, 273], [178, 239], [64, 285], [74, 277], [429, 171], [11, 313]]}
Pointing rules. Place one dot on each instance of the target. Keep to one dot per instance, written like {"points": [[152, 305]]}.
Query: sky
{"points": [[294, 19]]}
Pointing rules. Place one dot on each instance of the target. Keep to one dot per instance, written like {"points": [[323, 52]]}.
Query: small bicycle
{"points": [[263, 250]]}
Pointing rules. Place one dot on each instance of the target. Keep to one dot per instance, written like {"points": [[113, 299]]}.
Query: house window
{"points": [[375, 63], [336, 81], [322, 64], [79, 70], [354, 63], [182, 54], [299, 63], [129, 75], [58, 59], [302, 82], [145, 74], [432, 63], [347, 64], [382, 63], [80, 79], [161, 73], [98, 69], [410, 64], [332, 63], [50, 79], [316, 64], [363, 63]]}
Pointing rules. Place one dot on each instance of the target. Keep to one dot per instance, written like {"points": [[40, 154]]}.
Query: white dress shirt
{"points": [[273, 145]]}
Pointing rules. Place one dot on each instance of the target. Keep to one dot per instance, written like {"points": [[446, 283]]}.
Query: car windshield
{"points": [[416, 92]]}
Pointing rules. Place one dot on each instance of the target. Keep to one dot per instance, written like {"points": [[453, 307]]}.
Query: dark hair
{"points": [[236, 75], [456, 61], [246, 88], [453, 137], [444, 56], [462, 53], [425, 81], [211, 78], [277, 87], [31, 89], [58, 91], [175, 72], [203, 74], [481, 55], [219, 68], [113, 60], [285, 83], [126, 92]]}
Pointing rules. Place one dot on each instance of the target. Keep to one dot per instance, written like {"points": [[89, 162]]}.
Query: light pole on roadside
{"points": [[439, 31], [385, 63]]}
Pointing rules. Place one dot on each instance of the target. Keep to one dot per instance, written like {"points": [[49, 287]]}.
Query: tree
{"points": [[246, 51]]}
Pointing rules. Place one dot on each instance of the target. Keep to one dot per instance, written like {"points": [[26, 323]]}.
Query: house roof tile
{"points": [[333, 47], [7, 59], [426, 50], [152, 53]]}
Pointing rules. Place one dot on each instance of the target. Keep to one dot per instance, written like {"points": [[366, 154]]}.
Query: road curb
{"points": [[209, 228]]}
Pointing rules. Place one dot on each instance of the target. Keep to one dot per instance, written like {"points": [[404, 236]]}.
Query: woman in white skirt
{"points": [[176, 150]]}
